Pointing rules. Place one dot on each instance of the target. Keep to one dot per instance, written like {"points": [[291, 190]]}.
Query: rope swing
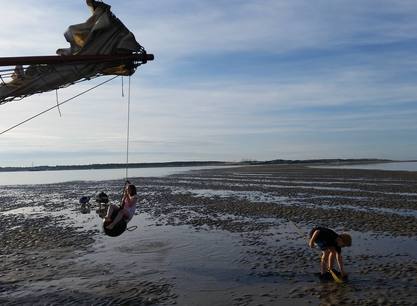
{"points": [[128, 131], [133, 227]]}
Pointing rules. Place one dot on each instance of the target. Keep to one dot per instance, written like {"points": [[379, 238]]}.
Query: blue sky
{"points": [[231, 80]]}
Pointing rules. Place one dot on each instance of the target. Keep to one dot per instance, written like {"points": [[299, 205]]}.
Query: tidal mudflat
{"points": [[231, 236]]}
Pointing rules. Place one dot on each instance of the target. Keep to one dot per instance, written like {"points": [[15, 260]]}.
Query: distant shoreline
{"points": [[201, 163]]}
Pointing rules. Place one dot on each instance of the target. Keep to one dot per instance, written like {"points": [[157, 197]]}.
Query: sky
{"points": [[232, 80]]}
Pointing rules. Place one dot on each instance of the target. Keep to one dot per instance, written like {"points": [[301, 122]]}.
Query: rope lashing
{"points": [[132, 228]]}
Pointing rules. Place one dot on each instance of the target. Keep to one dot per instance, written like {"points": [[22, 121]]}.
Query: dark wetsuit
{"points": [[326, 238]]}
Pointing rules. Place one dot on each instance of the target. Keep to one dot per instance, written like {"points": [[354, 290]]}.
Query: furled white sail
{"points": [[102, 34]]}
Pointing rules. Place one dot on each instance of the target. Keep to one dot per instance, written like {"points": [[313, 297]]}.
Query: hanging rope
{"points": [[55, 106], [123, 87], [128, 131]]}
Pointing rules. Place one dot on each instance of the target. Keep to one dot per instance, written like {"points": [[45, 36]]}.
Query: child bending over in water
{"points": [[330, 243], [126, 210]]}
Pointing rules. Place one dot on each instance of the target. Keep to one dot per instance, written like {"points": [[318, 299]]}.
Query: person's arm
{"points": [[122, 202], [313, 238], [125, 195], [339, 259]]}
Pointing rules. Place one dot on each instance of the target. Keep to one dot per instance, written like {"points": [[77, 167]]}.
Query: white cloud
{"points": [[269, 25]]}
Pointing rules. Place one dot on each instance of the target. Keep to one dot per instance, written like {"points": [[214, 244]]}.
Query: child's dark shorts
{"points": [[322, 245]]}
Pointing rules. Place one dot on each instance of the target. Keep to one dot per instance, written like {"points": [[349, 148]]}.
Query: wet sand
{"points": [[214, 237]]}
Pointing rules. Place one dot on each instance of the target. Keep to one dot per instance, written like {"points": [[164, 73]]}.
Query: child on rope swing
{"points": [[126, 211]]}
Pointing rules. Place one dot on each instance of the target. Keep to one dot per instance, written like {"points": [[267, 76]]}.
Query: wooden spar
{"points": [[70, 59]]}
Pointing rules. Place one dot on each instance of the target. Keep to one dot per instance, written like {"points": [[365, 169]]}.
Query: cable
{"points": [[55, 106], [57, 102]]}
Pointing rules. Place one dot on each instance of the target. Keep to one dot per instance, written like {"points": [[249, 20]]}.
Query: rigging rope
{"points": [[57, 102], [55, 106]]}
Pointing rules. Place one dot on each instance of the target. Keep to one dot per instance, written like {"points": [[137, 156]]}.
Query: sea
{"points": [[57, 176], [391, 166], [50, 177]]}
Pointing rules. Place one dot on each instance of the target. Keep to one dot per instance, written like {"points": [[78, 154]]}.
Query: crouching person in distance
{"points": [[331, 245]]}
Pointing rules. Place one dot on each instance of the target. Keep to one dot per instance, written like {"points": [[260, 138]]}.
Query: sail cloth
{"points": [[101, 34]]}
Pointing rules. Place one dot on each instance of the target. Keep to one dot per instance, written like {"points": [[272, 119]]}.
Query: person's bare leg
{"points": [[331, 259], [110, 210], [116, 220], [324, 260]]}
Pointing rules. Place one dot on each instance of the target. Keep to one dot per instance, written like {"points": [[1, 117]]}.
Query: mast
{"points": [[71, 59]]}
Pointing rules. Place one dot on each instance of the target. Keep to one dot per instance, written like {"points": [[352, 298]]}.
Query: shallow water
{"points": [[204, 266], [192, 240], [254, 196], [213, 267]]}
